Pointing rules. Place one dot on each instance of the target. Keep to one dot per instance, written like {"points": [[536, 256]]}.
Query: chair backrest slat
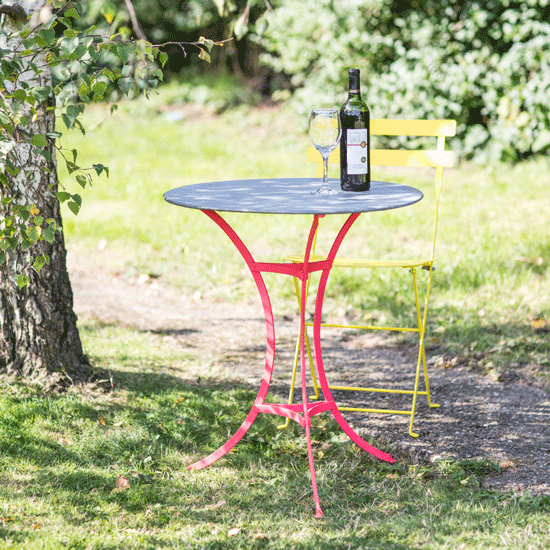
{"points": [[389, 157], [439, 158], [393, 157], [395, 127]]}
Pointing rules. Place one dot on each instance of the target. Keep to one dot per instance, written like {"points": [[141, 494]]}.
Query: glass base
{"points": [[325, 190]]}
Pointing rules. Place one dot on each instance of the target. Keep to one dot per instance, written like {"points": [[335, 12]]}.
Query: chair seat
{"points": [[358, 262]]}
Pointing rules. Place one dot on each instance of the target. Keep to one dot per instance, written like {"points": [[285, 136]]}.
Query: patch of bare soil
{"points": [[507, 422]]}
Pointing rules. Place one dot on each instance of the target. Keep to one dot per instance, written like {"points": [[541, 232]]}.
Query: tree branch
{"points": [[135, 23]]}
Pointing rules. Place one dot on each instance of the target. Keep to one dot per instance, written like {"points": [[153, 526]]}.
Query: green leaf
{"points": [[81, 180], [126, 84], [39, 262], [220, 4], [109, 74], [22, 212], [9, 128], [80, 51], [33, 233], [72, 13], [49, 233], [39, 140], [99, 168], [45, 153], [11, 168], [99, 89], [68, 120], [69, 45], [72, 167], [163, 58], [22, 280], [45, 38], [5, 242], [2, 258], [41, 93], [261, 25], [20, 95], [204, 55], [84, 91], [542, 141], [26, 244], [207, 43], [63, 196], [74, 207], [241, 26]]}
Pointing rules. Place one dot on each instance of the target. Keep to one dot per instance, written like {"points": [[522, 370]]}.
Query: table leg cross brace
{"points": [[303, 412]]}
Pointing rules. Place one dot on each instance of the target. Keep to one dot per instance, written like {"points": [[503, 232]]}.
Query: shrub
{"points": [[484, 63]]}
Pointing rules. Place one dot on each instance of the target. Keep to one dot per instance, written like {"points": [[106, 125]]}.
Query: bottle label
{"points": [[357, 151]]}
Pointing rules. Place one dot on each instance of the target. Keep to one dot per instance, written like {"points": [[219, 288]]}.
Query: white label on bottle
{"points": [[357, 148]]}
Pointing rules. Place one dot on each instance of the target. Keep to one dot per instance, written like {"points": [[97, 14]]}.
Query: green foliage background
{"points": [[484, 63]]}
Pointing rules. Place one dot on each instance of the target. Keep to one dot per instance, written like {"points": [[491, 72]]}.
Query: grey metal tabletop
{"points": [[290, 196]]}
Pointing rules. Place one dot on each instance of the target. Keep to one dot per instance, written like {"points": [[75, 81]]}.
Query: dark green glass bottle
{"points": [[355, 140]]}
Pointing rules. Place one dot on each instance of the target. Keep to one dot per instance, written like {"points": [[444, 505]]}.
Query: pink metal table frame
{"points": [[304, 411]]}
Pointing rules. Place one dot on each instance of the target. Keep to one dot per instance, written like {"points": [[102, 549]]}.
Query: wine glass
{"points": [[325, 131]]}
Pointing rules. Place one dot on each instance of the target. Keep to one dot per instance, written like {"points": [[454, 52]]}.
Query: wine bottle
{"points": [[355, 140]]}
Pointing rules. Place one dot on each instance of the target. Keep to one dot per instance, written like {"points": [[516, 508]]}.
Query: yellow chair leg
{"points": [[295, 365], [421, 351], [308, 346], [426, 380], [292, 382]]}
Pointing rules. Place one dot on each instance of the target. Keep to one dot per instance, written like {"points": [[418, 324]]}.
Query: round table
{"points": [[291, 196]]}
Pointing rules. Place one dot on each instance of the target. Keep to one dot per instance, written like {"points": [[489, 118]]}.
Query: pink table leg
{"points": [[300, 413], [270, 350]]}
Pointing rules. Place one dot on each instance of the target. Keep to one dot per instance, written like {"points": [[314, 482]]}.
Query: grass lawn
{"points": [[106, 470], [97, 470]]}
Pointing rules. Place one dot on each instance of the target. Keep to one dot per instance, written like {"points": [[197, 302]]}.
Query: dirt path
{"points": [[478, 417]]}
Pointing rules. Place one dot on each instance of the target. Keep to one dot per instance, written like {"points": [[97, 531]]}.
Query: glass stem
{"points": [[325, 170]]}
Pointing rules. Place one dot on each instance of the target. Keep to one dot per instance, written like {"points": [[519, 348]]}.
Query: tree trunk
{"points": [[38, 333]]}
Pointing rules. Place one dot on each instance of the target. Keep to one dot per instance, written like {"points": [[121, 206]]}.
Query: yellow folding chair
{"points": [[438, 159]]}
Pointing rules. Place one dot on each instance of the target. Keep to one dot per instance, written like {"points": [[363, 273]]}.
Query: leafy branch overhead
{"points": [[49, 61]]}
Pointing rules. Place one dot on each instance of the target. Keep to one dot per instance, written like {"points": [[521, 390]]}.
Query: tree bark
{"points": [[39, 339]]}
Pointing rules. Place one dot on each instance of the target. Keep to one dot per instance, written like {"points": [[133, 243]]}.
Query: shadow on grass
{"points": [[122, 457]]}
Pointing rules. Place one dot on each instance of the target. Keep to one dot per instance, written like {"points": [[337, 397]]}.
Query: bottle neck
{"points": [[354, 85]]}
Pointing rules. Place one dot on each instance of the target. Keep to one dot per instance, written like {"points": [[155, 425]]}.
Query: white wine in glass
{"points": [[325, 131]]}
